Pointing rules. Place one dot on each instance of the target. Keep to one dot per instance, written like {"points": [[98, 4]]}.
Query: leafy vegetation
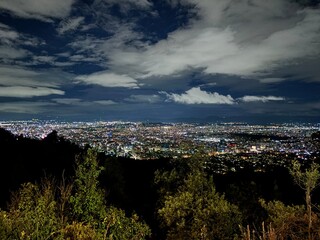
{"points": [[194, 209], [90, 196], [37, 211]]}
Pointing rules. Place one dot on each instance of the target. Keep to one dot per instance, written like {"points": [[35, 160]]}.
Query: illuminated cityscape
{"points": [[229, 146]]}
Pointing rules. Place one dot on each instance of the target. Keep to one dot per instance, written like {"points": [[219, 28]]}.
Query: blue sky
{"points": [[169, 60]]}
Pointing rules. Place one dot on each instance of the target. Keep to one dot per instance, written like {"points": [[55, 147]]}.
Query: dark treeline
{"points": [[152, 189], [28, 160]]}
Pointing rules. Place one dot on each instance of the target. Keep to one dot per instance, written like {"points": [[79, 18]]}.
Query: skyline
{"points": [[169, 60]]}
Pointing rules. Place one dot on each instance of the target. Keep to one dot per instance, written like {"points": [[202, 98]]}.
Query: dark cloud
{"points": [[308, 3]]}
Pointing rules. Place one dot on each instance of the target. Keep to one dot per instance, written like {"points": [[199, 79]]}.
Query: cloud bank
{"points": [[197, 96], [25, 107], [228, 37], [27, 92], [41, 10], [107, 79], [261, 98], [143, 98]]}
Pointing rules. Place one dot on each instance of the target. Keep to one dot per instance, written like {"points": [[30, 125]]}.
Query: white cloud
{"points": [[138, 3], [7, 35], [105, 102], [30, 41], [197, 96], [43, 59], [27, 92], [271, 80], [7, 52], [67, 101], [15, 72], [107, 79], [126, 5], [11, 38], [261, 98], [63, 64], [41, 10], [25, 107], [4, 26], [12, 45], [186, 49], [69, 25], [64, 54], [77, 102], [228, 37], [81, 102], [82, 58], [16, 76], [144, 98]]}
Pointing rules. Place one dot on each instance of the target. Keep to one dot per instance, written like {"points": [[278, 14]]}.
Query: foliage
{"points": [[78, 231], [88, 201], [39, 211], [195, 210], [169, 180], [89, 206], [279, 213], [32, 214], [308, 180], [291, 222], [118, 226], [295, 221]]}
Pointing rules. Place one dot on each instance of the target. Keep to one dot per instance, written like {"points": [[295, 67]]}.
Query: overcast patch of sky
{"points": [[257, 41], [209, 44]]}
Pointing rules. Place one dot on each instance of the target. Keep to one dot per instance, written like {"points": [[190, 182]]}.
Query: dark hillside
{"points": [[23, 160]]}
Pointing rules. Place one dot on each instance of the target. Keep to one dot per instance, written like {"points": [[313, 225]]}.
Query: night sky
{"points": [[160, 60]]}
